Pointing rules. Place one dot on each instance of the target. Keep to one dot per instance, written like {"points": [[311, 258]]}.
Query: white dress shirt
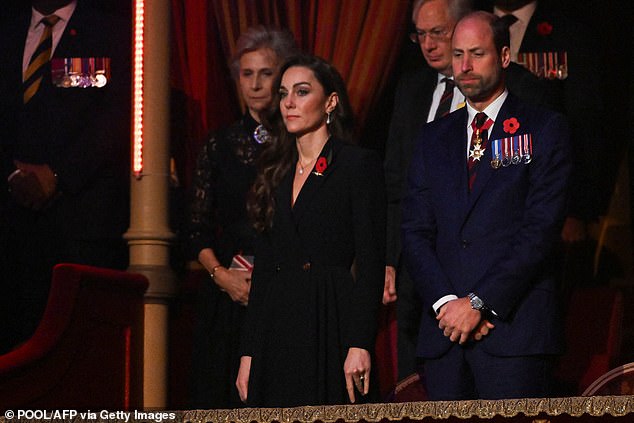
{"points": [[518, 29], [36, 28], [491, 111], [456, 102]]}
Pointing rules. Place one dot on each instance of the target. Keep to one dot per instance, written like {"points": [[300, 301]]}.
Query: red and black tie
{"points": [[480, 125]]}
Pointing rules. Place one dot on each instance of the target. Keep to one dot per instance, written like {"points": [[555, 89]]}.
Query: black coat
{"points": [[306, 308]]}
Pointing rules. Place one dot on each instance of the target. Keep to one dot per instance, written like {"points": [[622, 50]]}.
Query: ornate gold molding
{"points": [[616, 406]]}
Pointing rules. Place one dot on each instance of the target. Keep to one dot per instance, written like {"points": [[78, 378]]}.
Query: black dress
{"points": [[224, 173], [306, 308]]}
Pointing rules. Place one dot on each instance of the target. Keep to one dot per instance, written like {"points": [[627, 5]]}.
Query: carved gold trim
{"points": [[574, 406]]}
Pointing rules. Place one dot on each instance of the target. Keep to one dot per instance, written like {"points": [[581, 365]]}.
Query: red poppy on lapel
{"points": [[544, 28], [321, 165], [511, 125], [72, 32]]}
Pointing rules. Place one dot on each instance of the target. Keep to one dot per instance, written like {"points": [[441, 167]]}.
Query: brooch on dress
{"points": [[261, 135]]}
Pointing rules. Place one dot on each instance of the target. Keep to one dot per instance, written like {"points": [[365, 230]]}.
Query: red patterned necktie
{"points": [[444, 106], [40, 59], [480, 125]]}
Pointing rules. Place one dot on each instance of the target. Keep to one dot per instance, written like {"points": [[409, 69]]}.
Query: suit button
{"points": [[278, 268], [306, 266], [465, 243]]}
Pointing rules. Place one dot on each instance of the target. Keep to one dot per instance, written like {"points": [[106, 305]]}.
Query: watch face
{"points": [[476, 303]]}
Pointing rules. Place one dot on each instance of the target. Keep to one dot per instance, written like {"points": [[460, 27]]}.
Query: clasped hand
{"points": [[236, 283], [31, 185], [460, 323]]}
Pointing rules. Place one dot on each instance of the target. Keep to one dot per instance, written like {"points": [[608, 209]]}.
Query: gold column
{"points": [[149, 234]]}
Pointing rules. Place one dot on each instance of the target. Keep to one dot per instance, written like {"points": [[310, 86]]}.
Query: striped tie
{"points": [[39, 60], [444, 106]]}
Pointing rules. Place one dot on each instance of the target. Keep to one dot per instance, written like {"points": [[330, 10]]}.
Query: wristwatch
{"points": [[476, 302]]}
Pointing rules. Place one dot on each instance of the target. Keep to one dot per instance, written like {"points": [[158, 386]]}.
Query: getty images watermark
{"points": [[62, 415]]}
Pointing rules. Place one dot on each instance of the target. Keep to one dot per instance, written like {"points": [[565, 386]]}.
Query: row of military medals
{"points": [[512, 150], [505, 151]]}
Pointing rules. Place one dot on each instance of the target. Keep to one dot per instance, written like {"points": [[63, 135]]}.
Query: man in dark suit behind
{"points": [[416, 102], [479, 225], [538, 27], [65, 152]]}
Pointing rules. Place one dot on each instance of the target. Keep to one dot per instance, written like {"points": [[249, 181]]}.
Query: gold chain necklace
{"points": [[302, 167]]}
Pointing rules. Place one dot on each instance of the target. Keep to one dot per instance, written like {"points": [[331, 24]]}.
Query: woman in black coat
{"points": [[319, 206], [218, 226]]}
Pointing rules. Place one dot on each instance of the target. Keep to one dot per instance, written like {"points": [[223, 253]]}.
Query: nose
{"points": [[256, 83], [288, 102], [465, 63], [428, 43]]}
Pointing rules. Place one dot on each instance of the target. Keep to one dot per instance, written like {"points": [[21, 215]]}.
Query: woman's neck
{"points": [[310, 145], [255, 115]]}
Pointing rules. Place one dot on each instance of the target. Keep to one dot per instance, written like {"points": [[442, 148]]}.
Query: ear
{"points": [[505, 57], [332, 102]]}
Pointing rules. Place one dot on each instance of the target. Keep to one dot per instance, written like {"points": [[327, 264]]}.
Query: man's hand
{"points": [[32, 186], [457, 319], [389, 288], [483, 329]]}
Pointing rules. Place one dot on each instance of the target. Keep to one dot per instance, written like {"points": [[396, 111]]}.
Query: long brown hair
{"points": [[280, 154]]}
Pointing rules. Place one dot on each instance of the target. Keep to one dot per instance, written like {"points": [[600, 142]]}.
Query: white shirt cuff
{"points": [[436, 306]]}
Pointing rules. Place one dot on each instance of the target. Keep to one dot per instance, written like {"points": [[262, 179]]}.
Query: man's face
{"points": [[477, 65], [434, 21]]}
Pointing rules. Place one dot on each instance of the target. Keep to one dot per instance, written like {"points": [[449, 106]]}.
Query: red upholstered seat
{"points": [[87, 352], [618, 381], [593, 337]]}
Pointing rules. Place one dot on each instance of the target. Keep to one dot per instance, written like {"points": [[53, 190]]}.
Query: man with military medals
{"points": [[483, 211], [64, 138]]}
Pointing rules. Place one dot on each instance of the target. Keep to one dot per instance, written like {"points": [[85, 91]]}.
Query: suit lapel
{"points": [[485, 170], [426, 95], [455, 148]]}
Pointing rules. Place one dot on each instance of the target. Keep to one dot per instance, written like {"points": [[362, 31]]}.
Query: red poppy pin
{"points": [[320, 166], [511, 125], [73, 32], [544, 28]]}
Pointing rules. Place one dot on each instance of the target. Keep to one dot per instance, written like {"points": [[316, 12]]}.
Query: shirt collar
{"points": [[523, 14], [491, 110], [441, 77], [63, 13]]}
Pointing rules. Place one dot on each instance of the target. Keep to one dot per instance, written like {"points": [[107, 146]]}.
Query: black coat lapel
{"points": [[324, 166]]}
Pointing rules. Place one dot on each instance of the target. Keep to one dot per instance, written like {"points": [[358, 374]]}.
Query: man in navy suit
{"points": [[64, 151], [481, 217], [416, 101]]}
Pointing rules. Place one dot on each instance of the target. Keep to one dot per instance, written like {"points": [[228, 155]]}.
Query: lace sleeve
{"points": [[200, 233]]}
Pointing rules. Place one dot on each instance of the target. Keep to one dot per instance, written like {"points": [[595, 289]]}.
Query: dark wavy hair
{"points": [[280, 154]]}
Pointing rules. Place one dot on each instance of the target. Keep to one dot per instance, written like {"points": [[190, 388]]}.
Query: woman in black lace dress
{"points": [[218, 225]]}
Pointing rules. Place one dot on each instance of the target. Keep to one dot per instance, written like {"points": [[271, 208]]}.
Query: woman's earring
{"points": [[328, 118]]}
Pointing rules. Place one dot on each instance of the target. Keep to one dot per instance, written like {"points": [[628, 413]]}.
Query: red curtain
{"points": [[360, 37]]}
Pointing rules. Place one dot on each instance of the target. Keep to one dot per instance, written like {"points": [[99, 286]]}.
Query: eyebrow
{"points": [[298, 83]]}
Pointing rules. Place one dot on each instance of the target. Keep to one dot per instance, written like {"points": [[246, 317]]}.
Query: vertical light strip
{"points": [[137, 130]]}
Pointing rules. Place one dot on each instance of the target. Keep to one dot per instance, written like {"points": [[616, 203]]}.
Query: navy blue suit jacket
{"points": [[495, 241]]}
